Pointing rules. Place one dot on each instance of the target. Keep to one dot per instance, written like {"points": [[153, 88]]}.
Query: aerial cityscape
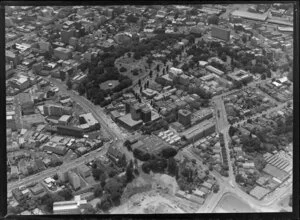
{"points": [[149, 109]]}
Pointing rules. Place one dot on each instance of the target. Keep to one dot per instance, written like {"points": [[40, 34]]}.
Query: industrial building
{"points": [[68, 207], [249, 15], [220, 33]]}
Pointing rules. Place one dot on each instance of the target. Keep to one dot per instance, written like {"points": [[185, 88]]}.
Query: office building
{"points": [[56, 110], [184, 117], [135, 112], [220, 33], [74, 180], [146, 114], [88, 122]]}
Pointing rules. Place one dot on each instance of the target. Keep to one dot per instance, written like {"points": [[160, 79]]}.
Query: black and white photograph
{"points": [[149, 109]]}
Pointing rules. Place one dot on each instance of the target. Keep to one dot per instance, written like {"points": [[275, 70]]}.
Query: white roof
{"points": [[283, 79]]}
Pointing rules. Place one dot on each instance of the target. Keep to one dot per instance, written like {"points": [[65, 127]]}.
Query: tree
{"points": [[98, 191], [66, 194], [135, 72], [260, 162], [172, 167], [126, 143], [105, 204], [239, 178], [115, 189], [216, 188], [69, 84], [97, 173], [185, 67], [123, 69], [62, 75], [129, 174], [168, 152]]}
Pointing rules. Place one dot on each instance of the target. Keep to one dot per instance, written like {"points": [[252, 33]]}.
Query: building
{"points": [[57, 149], [240, 76], [198, 131], [88, 122], [32, 120], [26, 102], [174, 72], [146, 114], [66, 208], [11, 122], [74, 180], [62, 53], [129, 123], [135, 111], [214, 70], [37, 189], [249, 15], [149, 93], [184, 117], [84, 170], [66, 35], [44, 46], [62, 176], [56, 110], [114, 154], [22, 82], [220, 33], [259, 192], [64, 119], [69, 130]]}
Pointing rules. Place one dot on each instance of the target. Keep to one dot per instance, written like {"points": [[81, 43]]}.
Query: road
{"points": [[98, 114], [90, 107], [64, 167]]}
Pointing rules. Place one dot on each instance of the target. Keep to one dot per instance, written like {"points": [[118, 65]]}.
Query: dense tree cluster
{"points": [[148, 129], [155, 165]]}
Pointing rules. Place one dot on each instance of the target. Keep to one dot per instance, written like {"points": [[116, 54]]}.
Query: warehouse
{"points": [[249, 15]]}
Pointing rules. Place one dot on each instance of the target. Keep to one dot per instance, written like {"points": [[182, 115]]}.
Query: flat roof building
{"points": [[249, 15], [198, 131]]}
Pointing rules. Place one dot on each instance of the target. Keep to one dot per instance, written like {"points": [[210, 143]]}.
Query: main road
{"points": [[64, 167]]}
